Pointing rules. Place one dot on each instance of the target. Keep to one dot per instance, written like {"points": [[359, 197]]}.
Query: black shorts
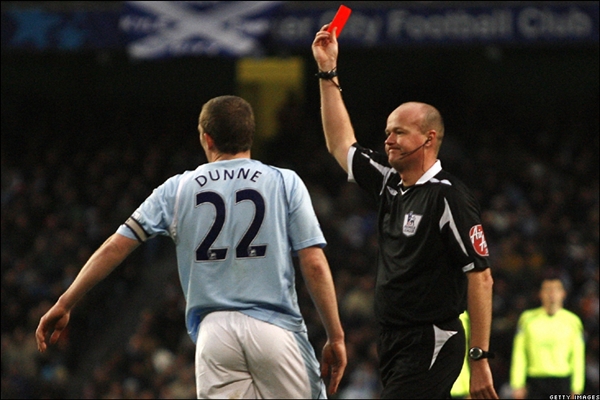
{"points": [[543, 388], [409, 367]]}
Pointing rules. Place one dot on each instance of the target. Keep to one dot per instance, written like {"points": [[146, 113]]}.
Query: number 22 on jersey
{"points": [[244, 248]]}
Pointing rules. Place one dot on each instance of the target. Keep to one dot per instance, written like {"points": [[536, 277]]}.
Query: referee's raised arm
{"points": [[339, 134]]}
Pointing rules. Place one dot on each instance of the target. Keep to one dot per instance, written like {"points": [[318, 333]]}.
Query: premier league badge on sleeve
{"points": [[411, 223]]}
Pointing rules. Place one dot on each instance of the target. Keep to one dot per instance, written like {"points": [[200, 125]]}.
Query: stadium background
{"points": [[87, 134]]}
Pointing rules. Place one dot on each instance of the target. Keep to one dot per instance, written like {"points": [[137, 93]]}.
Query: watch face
{"points": [[475, 353]]}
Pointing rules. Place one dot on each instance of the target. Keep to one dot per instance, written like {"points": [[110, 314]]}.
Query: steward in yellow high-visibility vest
{"points": [[548, 355], [461, 387]]}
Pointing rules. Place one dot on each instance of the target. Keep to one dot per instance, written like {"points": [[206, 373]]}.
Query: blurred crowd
{"points": [[68, 182]]}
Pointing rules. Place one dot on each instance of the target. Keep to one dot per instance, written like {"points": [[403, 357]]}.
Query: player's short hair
{"points": [[229, 120]]}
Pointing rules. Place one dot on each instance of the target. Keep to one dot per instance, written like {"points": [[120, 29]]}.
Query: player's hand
{"points": [[482, 384], [55, 321], [333, 364], [325, 49]]}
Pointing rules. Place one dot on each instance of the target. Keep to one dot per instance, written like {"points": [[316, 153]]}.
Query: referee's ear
{"points": [[432, 133]]}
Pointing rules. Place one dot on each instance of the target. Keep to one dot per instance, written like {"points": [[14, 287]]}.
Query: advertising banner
{"points": [[439, 26], [158, 29]]}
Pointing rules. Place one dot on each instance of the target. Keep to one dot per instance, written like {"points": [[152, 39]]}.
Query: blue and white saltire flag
{"points": [[159, 29]]}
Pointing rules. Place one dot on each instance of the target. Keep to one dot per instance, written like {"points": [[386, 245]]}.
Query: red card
{"points": [[340, 19]]}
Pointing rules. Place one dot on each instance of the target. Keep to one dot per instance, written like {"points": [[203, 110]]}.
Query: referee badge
{"points": [[411, 223]]}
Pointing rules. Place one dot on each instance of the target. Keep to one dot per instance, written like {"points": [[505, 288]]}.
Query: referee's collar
{"points": [[430, 173]]}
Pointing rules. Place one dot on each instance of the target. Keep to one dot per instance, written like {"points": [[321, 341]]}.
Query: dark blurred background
{"points": [[90, 127]]}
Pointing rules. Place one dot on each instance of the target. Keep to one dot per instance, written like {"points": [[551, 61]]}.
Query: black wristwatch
{"points": [[476, 353]]}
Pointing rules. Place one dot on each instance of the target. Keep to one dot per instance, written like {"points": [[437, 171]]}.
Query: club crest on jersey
{"points": [[478, 240], [411, 223]]}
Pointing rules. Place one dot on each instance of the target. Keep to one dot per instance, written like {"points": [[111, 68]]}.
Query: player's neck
{"points": [[224, 156]]}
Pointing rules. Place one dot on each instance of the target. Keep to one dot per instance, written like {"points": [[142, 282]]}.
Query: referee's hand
{"points": [[333, 364], [482, 383]]}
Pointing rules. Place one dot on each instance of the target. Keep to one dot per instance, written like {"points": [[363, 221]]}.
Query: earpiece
{"points": [[404, 155]]}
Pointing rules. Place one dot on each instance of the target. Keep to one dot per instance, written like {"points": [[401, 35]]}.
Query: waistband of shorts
{"points": [[417, 325]]}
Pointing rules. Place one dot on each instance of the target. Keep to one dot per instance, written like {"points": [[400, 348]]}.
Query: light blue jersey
{"points": [[235, 224]]}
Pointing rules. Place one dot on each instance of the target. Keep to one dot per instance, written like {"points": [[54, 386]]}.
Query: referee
{"points": [[549, 350], [433, 257]]}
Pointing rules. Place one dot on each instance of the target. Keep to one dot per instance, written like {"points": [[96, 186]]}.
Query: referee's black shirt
{"points": [[430, 235]]}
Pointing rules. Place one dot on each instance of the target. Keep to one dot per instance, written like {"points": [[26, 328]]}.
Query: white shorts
{"points": [[240, 357]]}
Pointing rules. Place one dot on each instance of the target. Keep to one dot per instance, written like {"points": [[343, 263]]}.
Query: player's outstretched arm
{"points": [[104, 260], [318, 280]]}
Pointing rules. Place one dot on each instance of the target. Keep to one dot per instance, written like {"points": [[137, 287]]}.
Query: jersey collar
{"points": [[430, 173]]}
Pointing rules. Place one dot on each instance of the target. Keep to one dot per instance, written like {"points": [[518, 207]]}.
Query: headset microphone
{"points": [[404, 155]]}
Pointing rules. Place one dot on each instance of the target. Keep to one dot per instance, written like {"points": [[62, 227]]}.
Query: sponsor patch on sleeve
{"points": [[478, 240]]}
